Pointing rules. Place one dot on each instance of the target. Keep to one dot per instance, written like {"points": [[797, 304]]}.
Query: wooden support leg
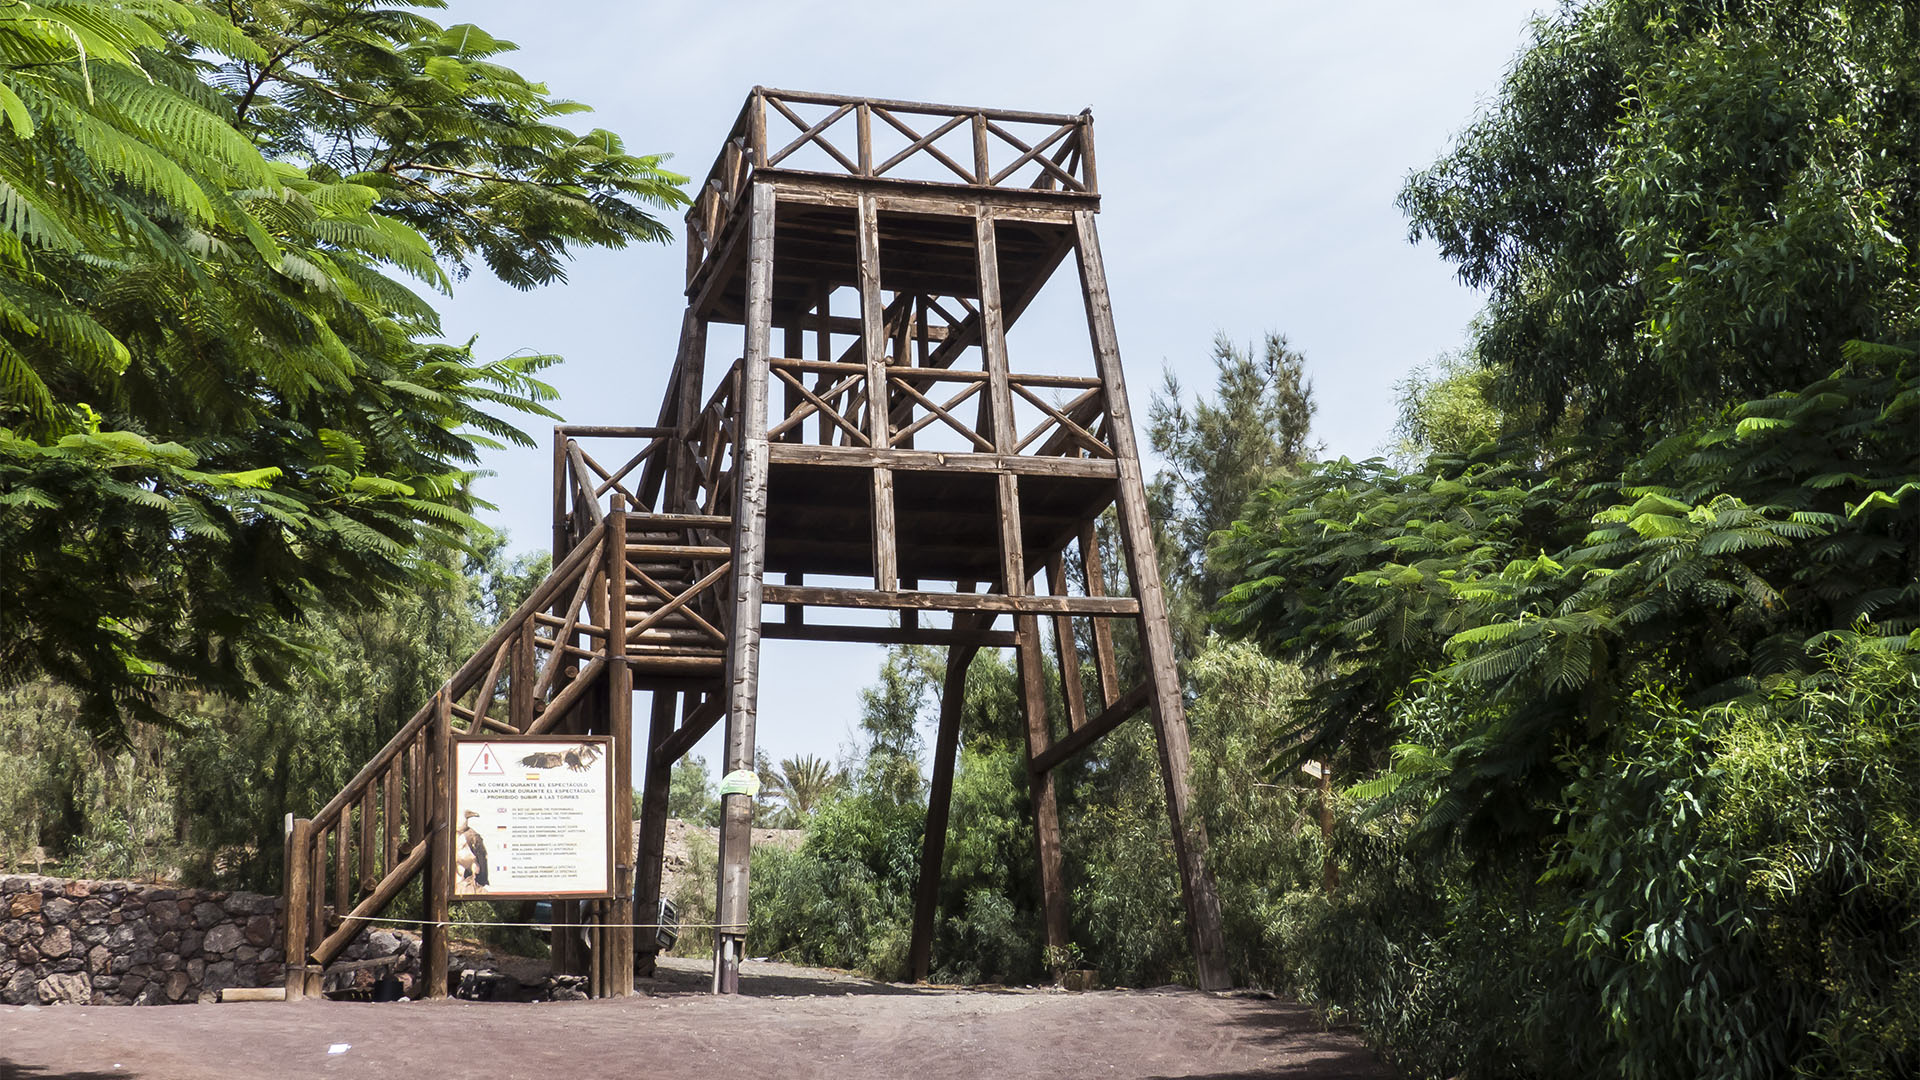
{"points": [[1046, 810], [1156, 636], [749, 563], [653, 832], [933, 846], [439, 885], [299, 836]]}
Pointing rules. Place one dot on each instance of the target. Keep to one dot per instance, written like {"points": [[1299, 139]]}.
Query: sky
{"points": [[1249, 157]]}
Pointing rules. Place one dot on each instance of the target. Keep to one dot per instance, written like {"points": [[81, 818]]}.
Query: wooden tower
{"points": [[869, 464]]}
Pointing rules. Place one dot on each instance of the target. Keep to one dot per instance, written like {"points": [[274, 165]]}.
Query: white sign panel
{"points": [[531, 817]]}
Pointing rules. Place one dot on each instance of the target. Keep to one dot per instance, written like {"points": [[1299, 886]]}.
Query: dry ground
{"points": [[790, 1023]]}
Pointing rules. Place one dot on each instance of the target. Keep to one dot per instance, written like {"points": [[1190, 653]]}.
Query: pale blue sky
{"points": [[1249, 157]]}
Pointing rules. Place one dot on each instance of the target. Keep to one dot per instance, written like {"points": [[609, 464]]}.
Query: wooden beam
{"points": [[749, 561], [1104, 661], [1087, 734], [1065, 650], [826, 596], [888, 635], [873, 339], [439, 886], [933, 843], [694, 728], [654, 796], [299, 838], [860, 457]]}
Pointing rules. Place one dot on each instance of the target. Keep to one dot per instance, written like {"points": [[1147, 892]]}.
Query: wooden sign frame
{"points": [[607, 749]]}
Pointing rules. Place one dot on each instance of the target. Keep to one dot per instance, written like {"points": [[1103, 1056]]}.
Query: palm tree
{"points": [[803, 782]]}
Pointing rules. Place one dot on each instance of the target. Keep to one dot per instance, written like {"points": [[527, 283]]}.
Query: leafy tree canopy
{"points": [[219, 404]]}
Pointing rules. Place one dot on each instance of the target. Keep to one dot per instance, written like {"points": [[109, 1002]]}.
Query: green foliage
{"points": [[1253, 431], [220, 407], [691, 795], [1681, 205]]}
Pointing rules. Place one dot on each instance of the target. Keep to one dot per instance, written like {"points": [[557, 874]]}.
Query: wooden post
{"points": [[1066, 650], [653, 829], [299, 837], [1014, 578], [873, 342], [617, 934], [933, 845], [749, 562], [439, 883], [1156, 637], [1103, 655]]}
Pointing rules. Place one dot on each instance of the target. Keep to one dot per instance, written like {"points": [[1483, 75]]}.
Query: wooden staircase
{"points": [[552, 667]]}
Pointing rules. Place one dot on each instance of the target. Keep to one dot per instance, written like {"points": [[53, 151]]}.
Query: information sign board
{"points": [[532, 817]]}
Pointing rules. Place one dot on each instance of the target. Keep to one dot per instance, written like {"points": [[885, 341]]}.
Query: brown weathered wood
{"points": [[367, 862], [749, 561], [826, 596], [858, 457], [698, 722], [342, 861], [299, 839], [679, 602], [439, 886], [377, 900], [1156, 635], [393, 816], [1066, 650], [1087, 734], [655, 794], [565, 700], [1103, 654], [520, 688], [933, 843], [888, 635], [886, 565], [1046, 811], [993, 331]]}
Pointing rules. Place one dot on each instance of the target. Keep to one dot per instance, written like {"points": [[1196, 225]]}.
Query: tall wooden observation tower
{"points": [[870, 445]]}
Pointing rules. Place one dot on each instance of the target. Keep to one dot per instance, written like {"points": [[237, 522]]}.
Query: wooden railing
{"points": [[875, 138]]}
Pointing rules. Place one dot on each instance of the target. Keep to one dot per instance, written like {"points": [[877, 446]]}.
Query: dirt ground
{"points": [[789, 1022]]}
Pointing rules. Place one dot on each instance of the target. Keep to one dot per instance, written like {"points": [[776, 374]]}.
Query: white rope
{"points": [[732, 928]]}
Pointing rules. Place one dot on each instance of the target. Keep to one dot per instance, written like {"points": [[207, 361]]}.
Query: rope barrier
{"points": [[736, 928]]}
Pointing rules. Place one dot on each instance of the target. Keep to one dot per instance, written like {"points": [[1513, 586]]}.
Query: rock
{"points": [[164, 916], [177, 984], [26, 955], [246, 954], [94, 909], [219, 976], [92, 933], [241, 903], [12, 884], [58, 909], [56, 943], [108, 983], [79, 889], [383, 943], [13, 932], [18, 990], [271, 955], [223, 939], [190, 942], [196, 969], [207, 914], [120, 937], [23, 905], [260, 930], [168, 961], [66, 989], [99, 959], [131, 985]]}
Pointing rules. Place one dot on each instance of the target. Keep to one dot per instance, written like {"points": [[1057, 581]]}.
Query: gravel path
{"points": [[790, 1023]]}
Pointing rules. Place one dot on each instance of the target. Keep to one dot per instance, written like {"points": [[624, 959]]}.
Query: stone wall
{"points": [[121, 943]]}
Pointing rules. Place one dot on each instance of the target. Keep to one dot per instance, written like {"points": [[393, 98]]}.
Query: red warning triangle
{"points": [[485, 763]]}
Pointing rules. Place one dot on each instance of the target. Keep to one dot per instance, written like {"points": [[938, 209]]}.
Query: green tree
{"points": [[691, 797], [1217, 453], [219, 410], [1678, 205]]}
